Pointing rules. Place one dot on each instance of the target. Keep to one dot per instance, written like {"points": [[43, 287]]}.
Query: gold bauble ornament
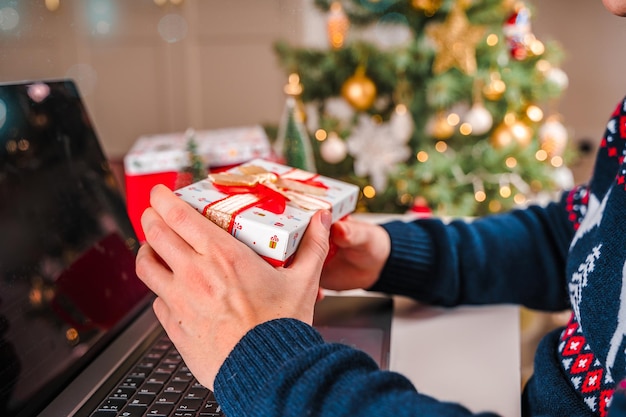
{"points": [[501, 136], [441, 128], [511, 132], [496, 87], [429, 7], [359, 90]]}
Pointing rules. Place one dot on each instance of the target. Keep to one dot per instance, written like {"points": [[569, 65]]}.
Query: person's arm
{"points": [[231, 314], [517, 257], [284, 368]]}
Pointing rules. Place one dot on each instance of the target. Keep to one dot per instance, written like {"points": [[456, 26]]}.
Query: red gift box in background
{"points": [[164, 158]]}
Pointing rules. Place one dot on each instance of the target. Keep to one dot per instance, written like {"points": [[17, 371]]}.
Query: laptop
{"points": [[77, 333]]}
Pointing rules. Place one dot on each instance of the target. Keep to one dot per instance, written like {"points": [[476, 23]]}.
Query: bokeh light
{"points": [[53, 5], [422, 156], [369, 191], [38, 92], [172, 28], [101, 16], [9, 18], [321, 135]]}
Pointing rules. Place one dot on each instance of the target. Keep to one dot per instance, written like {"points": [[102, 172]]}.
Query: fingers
{"points": [[190, 225], [170, 247], [151, 269], [347, 233], [315, 244], [161, 310]]}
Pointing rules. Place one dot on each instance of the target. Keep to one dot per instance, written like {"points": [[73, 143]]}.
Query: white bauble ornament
{"points": [[479, 118], [401, 123], [558, 77], [553, 137], [333, 150], [564, 178], [339, 108]]}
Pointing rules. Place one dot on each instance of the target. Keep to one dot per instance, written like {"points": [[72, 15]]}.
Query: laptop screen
{"points": [[67, 248]]}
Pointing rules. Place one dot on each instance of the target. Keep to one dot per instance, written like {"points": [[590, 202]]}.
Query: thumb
{"points": [[350, 233], [315, 244]]}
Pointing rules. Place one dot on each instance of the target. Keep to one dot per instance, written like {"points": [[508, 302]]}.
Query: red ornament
{"points": [[517, 30], [420, 207]]}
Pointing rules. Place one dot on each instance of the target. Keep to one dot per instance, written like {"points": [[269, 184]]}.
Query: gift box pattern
{"points": [[218, 147], [274, 236]]}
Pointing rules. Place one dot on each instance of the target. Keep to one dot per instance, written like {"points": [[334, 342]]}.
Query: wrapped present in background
{"points": [[267, 205], [179, 159]]}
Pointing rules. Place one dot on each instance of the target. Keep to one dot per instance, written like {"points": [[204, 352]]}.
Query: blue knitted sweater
{"points": [[567, 255]]}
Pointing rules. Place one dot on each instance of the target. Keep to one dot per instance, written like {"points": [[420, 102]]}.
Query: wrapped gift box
{"points": [[268, 206], [163, 158]]}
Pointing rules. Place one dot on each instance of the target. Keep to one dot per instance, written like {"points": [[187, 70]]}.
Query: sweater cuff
{"points": [[410, 262], [257, 357]]}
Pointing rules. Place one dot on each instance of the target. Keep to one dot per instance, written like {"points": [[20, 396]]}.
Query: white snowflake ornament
{"points": [[377, 148]]}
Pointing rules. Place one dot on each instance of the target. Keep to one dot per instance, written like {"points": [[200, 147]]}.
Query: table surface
{"points": [[469, 355]]}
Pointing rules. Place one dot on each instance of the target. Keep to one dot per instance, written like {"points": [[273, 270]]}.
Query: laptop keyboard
{"points": [[159, 385]]}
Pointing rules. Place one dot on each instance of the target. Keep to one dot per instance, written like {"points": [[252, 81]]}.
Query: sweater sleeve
{"points": [[284, 368], [517, 257]]}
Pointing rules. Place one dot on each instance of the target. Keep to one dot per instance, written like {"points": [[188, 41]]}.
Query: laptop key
{"points": [[190, 404], [142, 400], [132, 382], [123, 392], [158, 378], [114, 404], [183, 376], [168, 397], [197, 392], [211, 408], [160, 410], [134, 411], [176, 386], [166, 368], [150, 388]]}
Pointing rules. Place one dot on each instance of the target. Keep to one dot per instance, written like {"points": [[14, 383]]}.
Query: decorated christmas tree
{"points": [[448, 102]]}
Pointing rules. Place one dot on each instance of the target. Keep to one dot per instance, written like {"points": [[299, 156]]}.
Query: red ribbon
{"points": [[309, 181], [269, 199]]}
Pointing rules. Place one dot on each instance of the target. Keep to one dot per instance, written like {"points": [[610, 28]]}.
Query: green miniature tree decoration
{"points": [[292, 143], [197, 167]]}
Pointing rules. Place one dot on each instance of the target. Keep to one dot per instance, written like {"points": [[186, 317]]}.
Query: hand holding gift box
{"points": [[268, 206]]}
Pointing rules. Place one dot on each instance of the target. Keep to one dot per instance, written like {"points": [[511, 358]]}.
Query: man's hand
{"points": [[212, 289], [361, 252]]}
